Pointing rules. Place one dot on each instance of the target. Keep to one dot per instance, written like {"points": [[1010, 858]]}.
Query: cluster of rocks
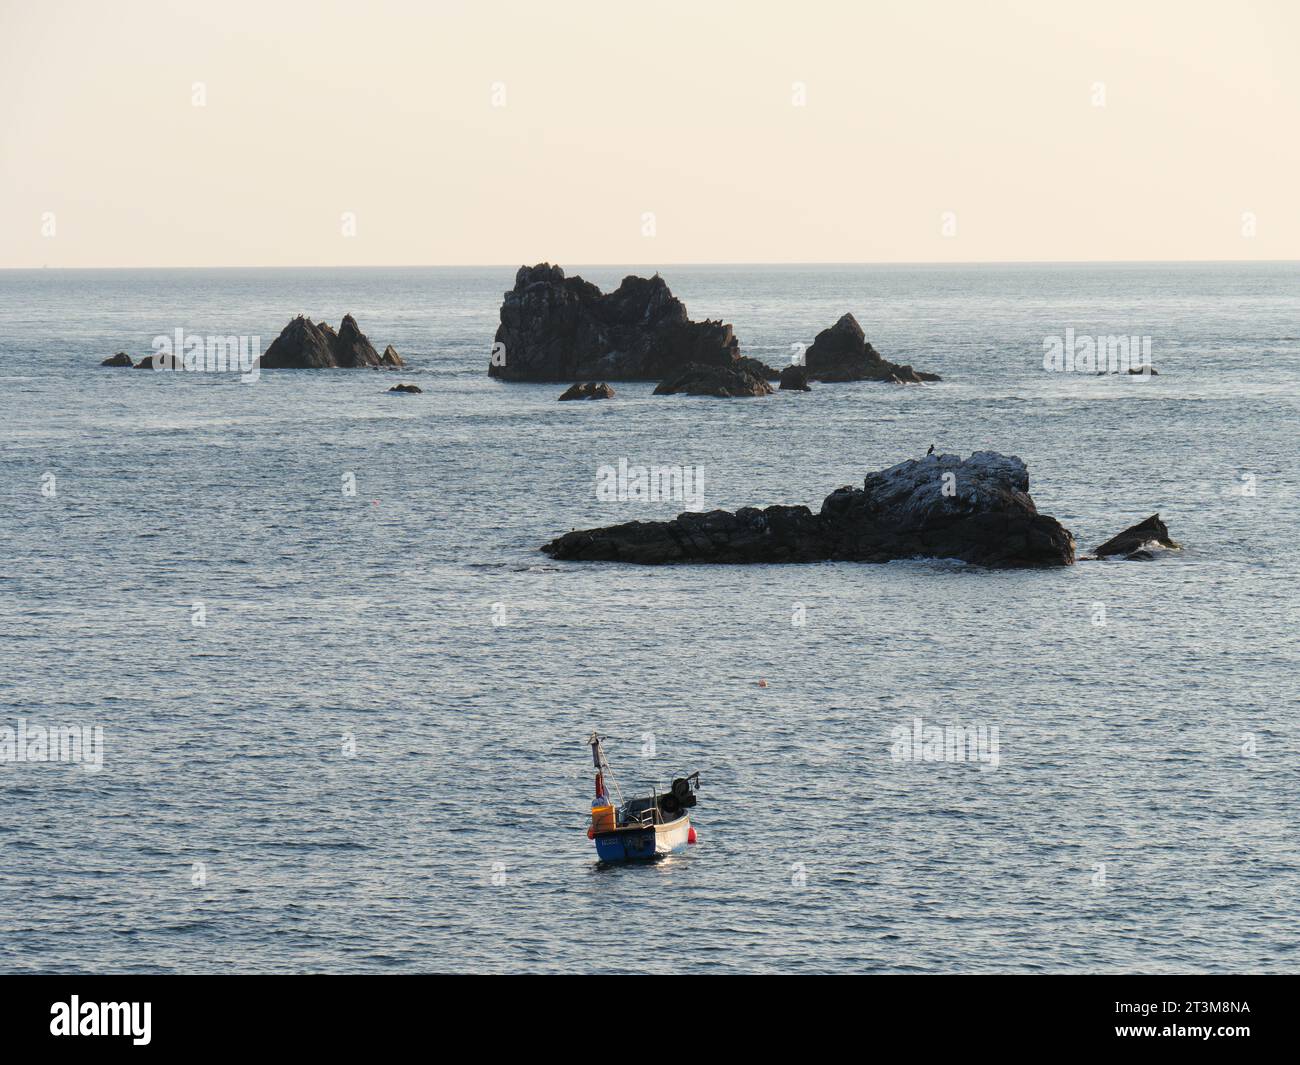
{"points": [[307, 345], [977, 510], [124, 360], [590, 390], [558, 328]]}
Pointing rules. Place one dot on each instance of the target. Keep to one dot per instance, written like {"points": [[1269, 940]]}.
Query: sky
{"points": [[154, 133]]}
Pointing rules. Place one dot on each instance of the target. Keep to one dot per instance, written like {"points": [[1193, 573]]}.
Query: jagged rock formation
{"points": [[758, 368], [841, 353], [977, 510], [305, 345], [590, 390], [555, 328], [120, 359], [721, 381]]}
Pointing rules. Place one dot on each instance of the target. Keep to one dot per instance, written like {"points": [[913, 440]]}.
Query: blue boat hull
{"points": [[642, 844], [638, 845]]}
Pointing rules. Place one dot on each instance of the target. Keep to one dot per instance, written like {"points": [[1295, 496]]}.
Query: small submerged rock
{"points": [[590, 390], [977, 510], [721, 381], [120, 359], [411, 389], [1140, 542]]}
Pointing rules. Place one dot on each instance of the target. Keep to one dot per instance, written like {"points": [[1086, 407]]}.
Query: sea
{"points": [[332, 701]]}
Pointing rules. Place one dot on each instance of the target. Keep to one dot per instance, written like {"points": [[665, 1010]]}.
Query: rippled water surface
{"points": [[1127, 825]]}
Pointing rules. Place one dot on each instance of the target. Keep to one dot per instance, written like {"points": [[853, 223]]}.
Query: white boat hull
{"points": [[672, 836]]}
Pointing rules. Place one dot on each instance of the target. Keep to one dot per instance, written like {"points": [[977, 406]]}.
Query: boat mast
{"points": [[602, 766]]}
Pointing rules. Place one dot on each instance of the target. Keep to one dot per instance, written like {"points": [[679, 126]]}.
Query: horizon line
{"points": [[799, 263]]}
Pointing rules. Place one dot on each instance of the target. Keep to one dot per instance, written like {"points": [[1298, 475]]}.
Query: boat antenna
{"points": [[602, 766]]}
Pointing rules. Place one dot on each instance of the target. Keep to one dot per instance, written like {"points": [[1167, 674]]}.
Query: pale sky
{"points": [[689, 112]]}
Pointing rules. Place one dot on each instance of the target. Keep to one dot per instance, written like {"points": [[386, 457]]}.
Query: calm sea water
{"points": [[1127, 826]]}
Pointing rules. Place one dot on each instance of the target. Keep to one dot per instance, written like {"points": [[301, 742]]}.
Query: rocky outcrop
{"points": [[147, 363], [411, 389], [590, 390], [120, 359], [301, 345], [841, 353], [352, 348], [758, 368], [305, 345], [1139, 542], [977, 510], [795, 379], [557, 328], [718, 381]]}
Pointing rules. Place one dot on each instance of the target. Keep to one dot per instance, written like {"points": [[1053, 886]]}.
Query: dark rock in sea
{"points": [[977, 510], [721, 381], [1135, 371], [413, 389], [390, 357], [120, 359], [145, 364], [301, 345], [841, 353], [758, 368], [1136, 542], [795, 379], [352, 348], [304, 345], [555, 328], [590, 390]]}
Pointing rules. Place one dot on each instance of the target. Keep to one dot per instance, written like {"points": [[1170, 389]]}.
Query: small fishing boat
{"points": [[639, 829]]}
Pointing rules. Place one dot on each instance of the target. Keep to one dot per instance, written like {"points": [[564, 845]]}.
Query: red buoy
{"points": [[690, 838]]}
